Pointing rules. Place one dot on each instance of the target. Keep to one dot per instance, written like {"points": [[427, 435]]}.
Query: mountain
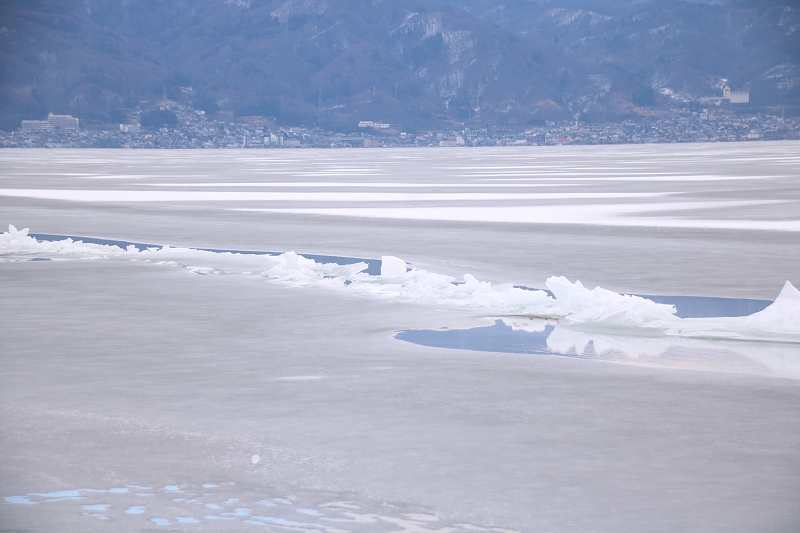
{"points": [[415, 64], [307, 61], [689, 48]]}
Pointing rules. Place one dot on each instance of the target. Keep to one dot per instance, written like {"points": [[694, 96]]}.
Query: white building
{"points": [[36, 125], [741, 97], [65, 122], [373, 125], [273, 140]]}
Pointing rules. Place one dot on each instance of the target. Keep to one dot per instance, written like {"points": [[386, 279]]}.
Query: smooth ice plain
{"points": [[173, 389]]}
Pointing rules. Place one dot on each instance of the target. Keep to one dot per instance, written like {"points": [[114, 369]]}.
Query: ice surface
{"points": [[623, 215], [98, 516], [58, 494], [571, 304], [779, 321], [310, 512], [337, 512], [239, 511], [452, 434], [117, 370], [207, 196], [392, 266], [710, 179], [266, 503], [603, 308]]}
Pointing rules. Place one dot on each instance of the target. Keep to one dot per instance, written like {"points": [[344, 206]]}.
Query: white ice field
{"points": [[140, 394]]}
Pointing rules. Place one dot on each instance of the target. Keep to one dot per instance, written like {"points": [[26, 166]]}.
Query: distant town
{"points": [[184, 127]]}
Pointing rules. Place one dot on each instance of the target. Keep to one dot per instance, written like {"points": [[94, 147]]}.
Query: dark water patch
{"points": [[92, 240], [373, 265], [496, 338], [698, 306], [707, 306], [517, 337]]}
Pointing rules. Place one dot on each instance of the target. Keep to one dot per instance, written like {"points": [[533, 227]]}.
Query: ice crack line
{"points": [[571, 304]]}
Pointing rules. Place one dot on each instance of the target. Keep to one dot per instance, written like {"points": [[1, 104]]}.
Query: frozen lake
{"points": [[605, 215], [141, 393]]}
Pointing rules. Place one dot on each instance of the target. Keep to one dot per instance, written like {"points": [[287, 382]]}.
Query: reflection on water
{"points": [[533, 336], [705, 306], [374, 268], [497, 338]]}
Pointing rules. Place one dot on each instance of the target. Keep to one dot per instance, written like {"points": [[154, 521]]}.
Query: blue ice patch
{"points": [[96, 507], [20, 500]]}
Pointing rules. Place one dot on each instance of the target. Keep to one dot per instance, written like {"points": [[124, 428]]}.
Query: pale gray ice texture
{"points": [[121, 374]]}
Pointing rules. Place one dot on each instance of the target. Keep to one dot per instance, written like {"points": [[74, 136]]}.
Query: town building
{"points": [[373, 125], [36, 125], [65, 122], [741, 97], [273, 140], [61, 122]]}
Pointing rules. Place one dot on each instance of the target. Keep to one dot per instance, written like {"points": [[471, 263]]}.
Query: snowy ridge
{"points": [[571, 305]]}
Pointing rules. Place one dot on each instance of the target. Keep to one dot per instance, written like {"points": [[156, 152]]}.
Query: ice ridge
{"points": [[571, 304]]}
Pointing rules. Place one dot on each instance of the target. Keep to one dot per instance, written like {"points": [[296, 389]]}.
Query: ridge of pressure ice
{"points": [[571, 305]]}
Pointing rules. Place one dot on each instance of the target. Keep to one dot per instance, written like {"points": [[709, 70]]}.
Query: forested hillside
{"points": [[417, 63]]}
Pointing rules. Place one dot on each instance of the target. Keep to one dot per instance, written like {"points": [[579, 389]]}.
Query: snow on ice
{"points": [[572, 305]]}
